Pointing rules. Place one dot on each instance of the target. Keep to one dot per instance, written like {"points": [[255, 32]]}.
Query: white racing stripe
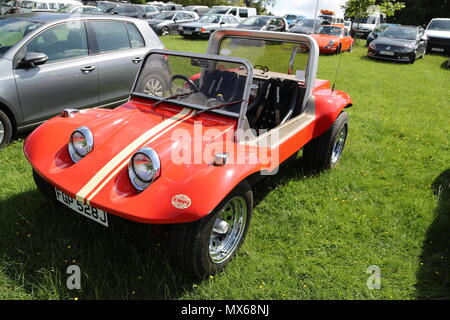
{"points": [[126, 152], [125, 163]]}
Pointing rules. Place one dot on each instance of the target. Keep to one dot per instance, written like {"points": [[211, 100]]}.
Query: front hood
{"points": [[438, 33], [102, 176], [324, 39], [394, 42]]}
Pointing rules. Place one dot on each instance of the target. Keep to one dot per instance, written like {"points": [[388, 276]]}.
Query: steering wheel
{"points": [[188, 81]]}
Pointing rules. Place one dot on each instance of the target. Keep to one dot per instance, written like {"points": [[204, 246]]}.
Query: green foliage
{"points": [[420, 12], [359, 8]]}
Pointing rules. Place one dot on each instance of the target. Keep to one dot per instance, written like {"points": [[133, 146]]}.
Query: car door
{"points": [[69, 79], [119, 52], [346, 40]]}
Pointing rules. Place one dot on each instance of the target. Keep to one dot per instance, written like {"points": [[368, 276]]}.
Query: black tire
{"points": [[339, 49], [153, 80], [189, 243], [413, 58], [318, 154], [44, 186], [6, 130]]}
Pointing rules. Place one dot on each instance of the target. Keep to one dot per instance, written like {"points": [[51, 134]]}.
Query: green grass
{"points": [[311, 237]]}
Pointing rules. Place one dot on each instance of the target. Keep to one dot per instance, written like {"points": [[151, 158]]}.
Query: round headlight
{"points": [[144, 168], [331, 43], [81, 143]]}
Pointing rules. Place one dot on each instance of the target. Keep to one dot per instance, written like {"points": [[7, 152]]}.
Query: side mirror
{"points": [[115, 12], [375, 35], [33, 59], [221, 23], [175, 19]]}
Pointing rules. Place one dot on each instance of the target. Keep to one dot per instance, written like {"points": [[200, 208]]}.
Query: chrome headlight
{"points": [[144, 168], [81, 143], [331, 43]]}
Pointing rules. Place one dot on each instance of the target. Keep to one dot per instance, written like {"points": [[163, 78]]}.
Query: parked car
{"points": [[376, 32], [46, 5], [264, 23], [168, 22], [150, 11], [239, 12], [128, 10], [206, 25], [172, 7], [292, 19], [308, 26], [348, 25], [82, 9], [200, 10], [362, 27], [9, 7], [48, 61], [331, 18], [399, 43], [333, 39], [136, 162], [438, 33]]}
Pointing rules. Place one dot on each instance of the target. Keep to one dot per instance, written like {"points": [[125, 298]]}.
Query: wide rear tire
{"points": [[324, 152]]}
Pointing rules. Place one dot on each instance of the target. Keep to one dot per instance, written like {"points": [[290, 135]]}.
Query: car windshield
{"points": [[256, 21], [439, 25], [368, 20], [194, 82], [219, 10], [164, 16], [105, 6], [326, 17], [400, 33], [210, 18], [13, 30], [307, 23], [335, 31]]}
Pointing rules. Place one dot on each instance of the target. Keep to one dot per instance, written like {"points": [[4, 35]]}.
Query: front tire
{"points": [[205, 247], [6, 130], [325, 151]]}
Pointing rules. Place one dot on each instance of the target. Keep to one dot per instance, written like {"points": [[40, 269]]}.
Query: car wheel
{"points": [[325, 151], [351, 48], [338, 51], [44, 187], [5, 130], [154, 84], [205, 247], [165, 31], [413, 58]]}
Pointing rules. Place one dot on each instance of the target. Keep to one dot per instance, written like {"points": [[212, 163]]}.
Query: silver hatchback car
{"points": [[51, 61]]}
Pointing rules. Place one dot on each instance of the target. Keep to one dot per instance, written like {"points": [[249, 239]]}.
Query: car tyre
{"points": [[6, 130], [324, 152], [199, 248], [155, 83], [413, 58], [44, 186], [339, 49]]}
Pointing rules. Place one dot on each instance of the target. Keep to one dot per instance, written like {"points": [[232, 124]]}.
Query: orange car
{"points": [[333, 39]]}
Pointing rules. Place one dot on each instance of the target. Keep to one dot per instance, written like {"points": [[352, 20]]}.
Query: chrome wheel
{"points": [[2, 132], [339, 145], [154, 87], [165, 31], [228, 230]]}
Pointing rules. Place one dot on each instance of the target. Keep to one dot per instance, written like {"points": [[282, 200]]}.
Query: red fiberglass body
{"points": [[183, 192]]}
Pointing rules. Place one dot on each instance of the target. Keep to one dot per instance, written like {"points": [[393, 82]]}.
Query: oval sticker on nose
{"points": [[181, 201]]}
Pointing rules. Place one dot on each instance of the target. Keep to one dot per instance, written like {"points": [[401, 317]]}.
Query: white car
{"points": [[239, 12], [438, 33]]}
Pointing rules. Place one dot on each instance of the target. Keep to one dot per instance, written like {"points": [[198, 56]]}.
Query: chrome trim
{"points": [[137, 183], [86, 132]]}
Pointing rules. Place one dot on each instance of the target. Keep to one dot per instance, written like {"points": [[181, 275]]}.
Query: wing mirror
{"points": [[33, 59], [221, 23]]}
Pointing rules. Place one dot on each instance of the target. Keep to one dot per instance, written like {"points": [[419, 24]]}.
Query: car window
{"points": [[243, 13], [136, 39], [62, 42], [111, 35], [225, 20], [130, 9], [52, 6], [233, 11]]}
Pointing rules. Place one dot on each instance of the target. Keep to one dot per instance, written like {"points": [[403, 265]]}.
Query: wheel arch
{"points": [[10, 114]]}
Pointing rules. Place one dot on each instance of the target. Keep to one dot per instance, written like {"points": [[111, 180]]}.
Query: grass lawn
{"points": [[311, 237]]}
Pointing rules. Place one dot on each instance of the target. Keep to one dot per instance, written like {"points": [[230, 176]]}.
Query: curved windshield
{"points": [[334, 31], [210, 18], [439, 25], [400, 33], [164, 16], [219, 10], [306, 23], [14, 30], [256, 21]]}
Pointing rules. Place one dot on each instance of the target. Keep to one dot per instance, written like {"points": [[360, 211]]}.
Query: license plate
{"points": [[387, 53], [437, 49], [95, 214], [187, 32], [360, 33]]}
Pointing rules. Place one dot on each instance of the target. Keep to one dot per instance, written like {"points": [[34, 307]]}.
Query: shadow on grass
{"points": [[446, 65], [41, 239], [433, 278]]}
